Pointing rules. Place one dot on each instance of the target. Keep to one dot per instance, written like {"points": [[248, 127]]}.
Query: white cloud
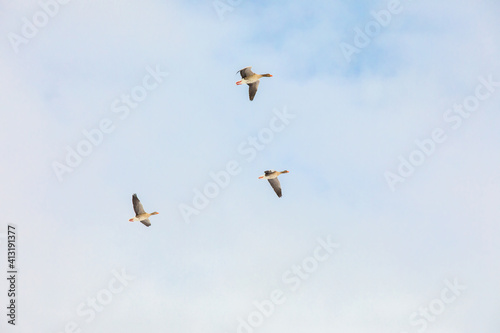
{"points": [[352, 123]]}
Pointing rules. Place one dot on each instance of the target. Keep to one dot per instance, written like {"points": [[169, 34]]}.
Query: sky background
{"points": [[353, 120]]}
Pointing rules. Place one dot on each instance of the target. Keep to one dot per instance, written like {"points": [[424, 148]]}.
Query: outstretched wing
{"points": [[252, 89], [247, 71], [138, 209], [146, 222], [275, 183]]}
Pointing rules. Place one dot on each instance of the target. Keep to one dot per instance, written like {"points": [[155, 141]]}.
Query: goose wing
{"points": [[146, 222], [247, 71], [269, 172], [252, 89], [275, 184], [138, 209]]}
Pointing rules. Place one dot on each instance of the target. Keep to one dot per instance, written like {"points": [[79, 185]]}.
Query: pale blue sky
{"points": [[353, 120]]}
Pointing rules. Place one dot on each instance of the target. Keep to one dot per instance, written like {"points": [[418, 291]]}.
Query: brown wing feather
{"points": [[146, 222], [138, 209], [275, 183], [252, 89], [246, 72]]}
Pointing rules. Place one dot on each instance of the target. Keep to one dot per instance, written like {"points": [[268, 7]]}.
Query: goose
{"points": [[252, 79], [140, 214], [272, 177]]}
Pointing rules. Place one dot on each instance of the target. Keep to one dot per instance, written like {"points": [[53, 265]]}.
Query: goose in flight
{"points": [[252, 79], [272, 177], [140, 214]]}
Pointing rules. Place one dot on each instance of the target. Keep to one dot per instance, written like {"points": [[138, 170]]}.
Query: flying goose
{"points": [[272, 177], [252, 79], [140, 214]]}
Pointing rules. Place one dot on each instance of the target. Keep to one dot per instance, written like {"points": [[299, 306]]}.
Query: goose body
{"points": [[140, 213], [272, 177], [252, 79]]}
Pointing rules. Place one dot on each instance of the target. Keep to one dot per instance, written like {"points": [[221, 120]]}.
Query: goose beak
{"points": [[261, 177]]}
